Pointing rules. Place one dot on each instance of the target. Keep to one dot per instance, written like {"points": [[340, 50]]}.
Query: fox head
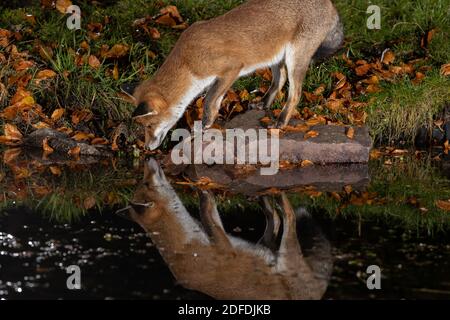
{"points": [[151, 197], [153, 113]]}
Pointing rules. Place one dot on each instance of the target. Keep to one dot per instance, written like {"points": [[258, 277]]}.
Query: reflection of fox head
{"points": [[151, 198]]}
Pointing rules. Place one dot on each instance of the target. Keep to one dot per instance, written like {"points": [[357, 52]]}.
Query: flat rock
{"points": [[332, 146], [328, 178]]}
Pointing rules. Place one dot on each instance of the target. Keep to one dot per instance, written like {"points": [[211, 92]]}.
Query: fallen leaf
{"points": [[56, 171], [350, 133], [57, 114], [266, 121], [348, 189], [362, 70], [443, 205], [306, 163], [311, 134], [75, 151], [117, 51], [388, 58], [99, 141], [94, 62], [89, 203], [445, 70], [45, 74], [12, 132], [81, 136], [447, 147], [419, 78], [62, 5], [298, 128], [45, 146]]}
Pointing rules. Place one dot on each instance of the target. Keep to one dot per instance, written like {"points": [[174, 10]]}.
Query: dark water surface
{"points": [[252, 251]]}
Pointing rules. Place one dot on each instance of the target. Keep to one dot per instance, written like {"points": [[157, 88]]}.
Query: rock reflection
{"points": [[202, 256]]}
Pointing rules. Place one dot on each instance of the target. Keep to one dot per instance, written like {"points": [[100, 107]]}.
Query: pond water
{"points": [[184, 240]]}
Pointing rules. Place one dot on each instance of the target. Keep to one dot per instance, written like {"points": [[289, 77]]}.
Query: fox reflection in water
{"points": [[203, 257]]}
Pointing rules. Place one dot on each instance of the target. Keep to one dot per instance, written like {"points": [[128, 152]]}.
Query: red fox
{"points": [[202, 256], [211, 55]]}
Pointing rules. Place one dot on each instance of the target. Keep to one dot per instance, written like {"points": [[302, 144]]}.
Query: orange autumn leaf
{"points": [[45, 74], [62, 5], [166, 20], [56, 171], [388, 58], [445, 70], [266, 121], [81, 136], [362, 70], [306, 163], [447, 147], [23, 65], [99, 141], [117, 51], [443, 205], [350, 133], [89, 203], [12, 132], [46, 147], [419, 78], [75, 151], [297, 128], [173, 11], [94, 62], [57, 114], [311, 134]]}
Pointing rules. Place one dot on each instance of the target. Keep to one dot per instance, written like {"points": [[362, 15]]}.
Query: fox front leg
{"points": [[215, 95]]}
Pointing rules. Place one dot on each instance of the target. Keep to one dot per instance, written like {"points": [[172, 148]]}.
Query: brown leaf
{"points": [[419, 78], [116, 72], [362, 70], [62, 5], [10, 155], [81, 136], [443, 205], [445, 70], [45, 146], [348, 189], [99, 141], [45, 74], [297, 128], [57, 114], [311, 134], [266, 121], [12, 132], [75, 151], [173, 11], [166, 20], [447, 147], [56, 171], [350, 133], [306, 163], [89, 203], [117, 51], [388, 57], [94, 62]]}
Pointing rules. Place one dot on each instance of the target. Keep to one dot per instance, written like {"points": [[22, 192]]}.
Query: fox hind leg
{"points": [[298, 58], [279, 78]]}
